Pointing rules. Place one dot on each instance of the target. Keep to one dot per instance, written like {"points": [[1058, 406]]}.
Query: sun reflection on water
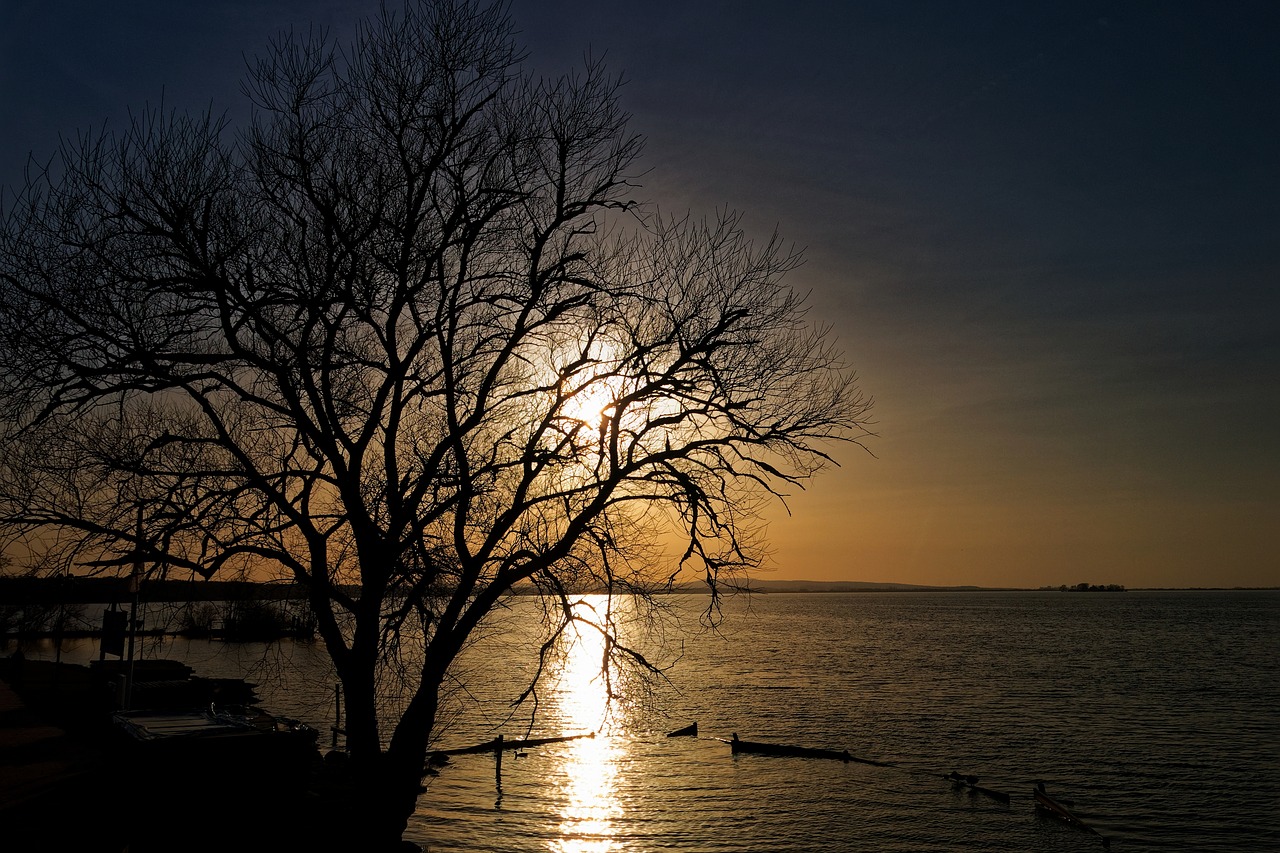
{"points": [[590, 810]]}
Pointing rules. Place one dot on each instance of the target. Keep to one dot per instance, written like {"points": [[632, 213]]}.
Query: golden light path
{"points": [[590, 808]]}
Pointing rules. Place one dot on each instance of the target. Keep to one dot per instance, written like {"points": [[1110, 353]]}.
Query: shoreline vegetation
{"points": [[44, 608], [248, 611], [18, 590]]}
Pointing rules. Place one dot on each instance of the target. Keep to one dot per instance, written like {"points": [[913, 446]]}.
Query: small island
{"points": [[1088, 587]]}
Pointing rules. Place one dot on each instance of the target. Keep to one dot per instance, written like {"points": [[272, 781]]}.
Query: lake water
{"points": [[1156, 713]]}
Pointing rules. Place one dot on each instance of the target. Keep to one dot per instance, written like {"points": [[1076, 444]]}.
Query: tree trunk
{"points": [[386, 799], [376, 791], [365, 805]]}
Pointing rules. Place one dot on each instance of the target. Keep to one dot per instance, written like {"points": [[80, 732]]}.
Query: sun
{"points": [[591, 382], [594, 402]]}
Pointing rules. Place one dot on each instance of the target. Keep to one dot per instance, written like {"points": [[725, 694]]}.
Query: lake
{"points": [[1156, 712]]}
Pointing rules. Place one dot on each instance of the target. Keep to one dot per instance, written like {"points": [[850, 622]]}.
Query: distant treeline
{"points": [[82, 590]]}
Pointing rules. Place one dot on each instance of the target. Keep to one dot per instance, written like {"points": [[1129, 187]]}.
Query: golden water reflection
{"points": [[590, 808]]}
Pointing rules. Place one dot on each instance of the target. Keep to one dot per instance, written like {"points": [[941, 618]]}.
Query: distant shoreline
{"points": [[849, 586], [17, 591], [10, 634]]}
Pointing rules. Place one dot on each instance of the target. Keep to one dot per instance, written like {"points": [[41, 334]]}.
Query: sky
{"points": [[1046, 234]]}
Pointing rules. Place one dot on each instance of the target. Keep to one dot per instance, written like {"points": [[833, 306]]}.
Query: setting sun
{"points": [[593, 403]]}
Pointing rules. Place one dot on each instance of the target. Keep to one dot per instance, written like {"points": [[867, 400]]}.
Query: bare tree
{"points": [[412, 341]]}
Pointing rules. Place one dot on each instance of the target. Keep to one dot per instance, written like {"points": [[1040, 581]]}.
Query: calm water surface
{"points": [[1157, 713]]}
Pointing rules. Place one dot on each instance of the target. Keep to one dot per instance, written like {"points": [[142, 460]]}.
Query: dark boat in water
{"points": [[970, 782], [761, 748], [690, 730], [1061, 809]]}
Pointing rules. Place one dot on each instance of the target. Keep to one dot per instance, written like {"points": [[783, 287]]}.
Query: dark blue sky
{"points": [[1046, 233]]}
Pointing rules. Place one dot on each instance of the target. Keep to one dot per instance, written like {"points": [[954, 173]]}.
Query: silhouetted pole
{"points": [[135, 582]]}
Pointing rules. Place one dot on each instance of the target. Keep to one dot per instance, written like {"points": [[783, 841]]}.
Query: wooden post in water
{"points": [[497, 770], [337, 716]]}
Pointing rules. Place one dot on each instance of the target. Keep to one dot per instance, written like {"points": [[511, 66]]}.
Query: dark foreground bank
{"points": [[72, 779]]}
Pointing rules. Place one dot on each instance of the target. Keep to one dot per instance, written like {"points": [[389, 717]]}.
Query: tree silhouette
{"points": [[411, 340]]}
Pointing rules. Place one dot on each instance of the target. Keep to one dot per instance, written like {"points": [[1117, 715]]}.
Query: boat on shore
{"points": [[214, 750]]}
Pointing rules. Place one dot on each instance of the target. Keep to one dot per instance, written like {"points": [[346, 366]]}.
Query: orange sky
{"points": [[1044, 233]]}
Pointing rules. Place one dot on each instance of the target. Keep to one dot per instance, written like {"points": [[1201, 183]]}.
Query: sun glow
{"points": [[592, 404], [595, 401], [590, 379]]}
